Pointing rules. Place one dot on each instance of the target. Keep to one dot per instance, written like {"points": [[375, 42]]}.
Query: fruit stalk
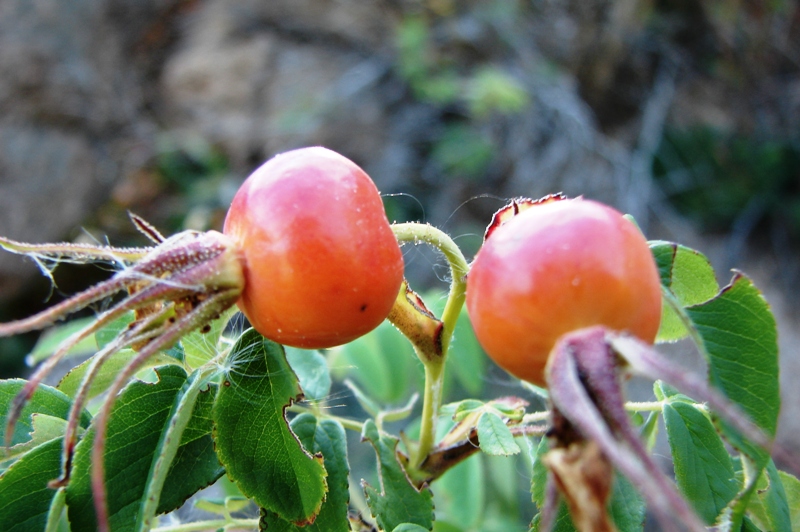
{"points": [[434, 362]]}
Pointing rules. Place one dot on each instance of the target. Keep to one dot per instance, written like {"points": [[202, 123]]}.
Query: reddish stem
{"points": [[201, 315]]}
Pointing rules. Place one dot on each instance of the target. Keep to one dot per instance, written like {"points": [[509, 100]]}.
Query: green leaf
{"points": [[444, 526], [107, 334], [509, 407], [55, 523], [460, 495], [195, 465], [689, 276], [649, 432], [409, 527], [539, 472], [52, 338], [495, 436], [45, 400], [466, 359], [627, 506], [328, 438], [464, 408], [254, 442], [24, 496], [45, 428], [500, 471], [137, 420], [739, 336], [200, 347], [229, 504], [108, 371], [367, 403], [791, 487], [311, 369], [686, 272], [399, 501], [703, 469], [776, 493], [382, 362]]}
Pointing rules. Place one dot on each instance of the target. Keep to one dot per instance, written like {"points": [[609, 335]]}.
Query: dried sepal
{"points": [[584, 375], [174, 288], [584, 477], [516, 206], [144, 227]]}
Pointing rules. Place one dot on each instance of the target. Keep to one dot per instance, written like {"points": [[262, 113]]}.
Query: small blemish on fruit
{"points": [[363, 307]]}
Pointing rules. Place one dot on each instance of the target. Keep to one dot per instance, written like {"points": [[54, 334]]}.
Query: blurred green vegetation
{"points": [[727, 181], [472, 94], [195, 174], [184, 162]]}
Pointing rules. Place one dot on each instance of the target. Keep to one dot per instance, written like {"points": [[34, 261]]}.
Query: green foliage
{"points": [[460, 496], [433, 79], [119, 360], [463, 149], [49, 341], [253, 439], [274, 420], [132, 444], [311, 369], [736, 332], [327, 438], [493, 91], [186, 161], [689, 276], [722, 180], [45, 400], [495, 436], [24, 496], [774, 504], [739, 336], [417, 505], [390, 377], [194, 174], [703, 469]]}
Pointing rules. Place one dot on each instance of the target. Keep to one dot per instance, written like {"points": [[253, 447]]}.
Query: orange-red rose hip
{"points": [[554, 268], [322, 266]]}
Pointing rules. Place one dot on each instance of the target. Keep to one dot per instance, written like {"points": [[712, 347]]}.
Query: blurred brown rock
{"points": [[70, 124]]}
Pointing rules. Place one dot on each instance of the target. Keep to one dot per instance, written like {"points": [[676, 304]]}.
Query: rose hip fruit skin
{"points": [[321, 264], [555, 268]]}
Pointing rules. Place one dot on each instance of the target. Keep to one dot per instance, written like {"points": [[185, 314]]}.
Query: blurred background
{"points": [[684, 113]]}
